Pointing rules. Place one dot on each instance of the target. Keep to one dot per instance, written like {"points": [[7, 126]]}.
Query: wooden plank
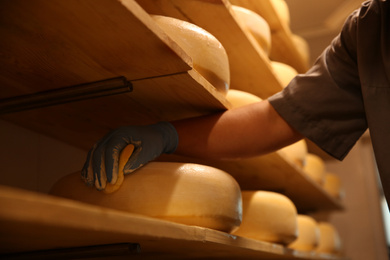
{"points": [[31, 221], [82, 123], [249, 66], [272, 172], [51, 44], [283, 48]]}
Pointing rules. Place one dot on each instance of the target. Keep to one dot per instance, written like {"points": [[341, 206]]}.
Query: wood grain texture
{"points": [[82, 123], [53, 44]]}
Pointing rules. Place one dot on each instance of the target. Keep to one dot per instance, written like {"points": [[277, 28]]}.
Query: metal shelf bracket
{"points": [[58, 96]]}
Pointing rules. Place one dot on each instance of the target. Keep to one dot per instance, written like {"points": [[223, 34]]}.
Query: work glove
{"points": [[149, 142]]}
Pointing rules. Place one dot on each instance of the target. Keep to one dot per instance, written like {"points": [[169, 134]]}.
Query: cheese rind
{"points": [[315, 168], [308, 234], [330, 241], [268, 216], [296, 153], [285, 73], [332, 185], [282, 11], [256, 25], [208, 55], [302, 47], [239, 98], [186, 193]]}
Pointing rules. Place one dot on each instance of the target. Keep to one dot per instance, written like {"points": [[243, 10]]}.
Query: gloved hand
{"points": [[149, 142]]}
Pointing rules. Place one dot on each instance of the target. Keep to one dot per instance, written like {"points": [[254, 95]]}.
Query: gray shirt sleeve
{"points": [[326, 104]]}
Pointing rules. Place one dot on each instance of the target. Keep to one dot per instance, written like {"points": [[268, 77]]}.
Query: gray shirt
{"points": [[347, 90]]}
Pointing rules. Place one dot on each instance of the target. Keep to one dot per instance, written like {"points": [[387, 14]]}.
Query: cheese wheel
{"points": [[255, 25], [240, 98], [268, 216], [302, 47], [208, 55], [308, 234], [185, 193], [282, 11], [330, 241], [285, 73], [315, 168], [332, 185], [296, 153]]}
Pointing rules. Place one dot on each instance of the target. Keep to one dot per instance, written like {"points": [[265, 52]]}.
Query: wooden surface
{"points": [[82, 123], [31, 221], [272, 172], [58, 43], [283, 48], [64, 43], [249, 66]]}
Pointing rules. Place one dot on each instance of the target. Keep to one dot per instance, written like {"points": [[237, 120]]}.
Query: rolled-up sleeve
{"points": [[325, 104]]}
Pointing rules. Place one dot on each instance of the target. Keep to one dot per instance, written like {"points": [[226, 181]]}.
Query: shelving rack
{"points": [[46, 227], [58, 44]]}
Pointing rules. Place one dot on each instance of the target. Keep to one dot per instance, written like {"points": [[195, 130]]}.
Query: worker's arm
{"points": [[243, 132]]}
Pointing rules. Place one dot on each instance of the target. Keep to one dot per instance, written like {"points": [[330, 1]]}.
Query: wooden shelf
{"points": [[283, 48], [32, 221], [50, 45], [66, 43], [272, 172], [180, 93], [250, 68]]}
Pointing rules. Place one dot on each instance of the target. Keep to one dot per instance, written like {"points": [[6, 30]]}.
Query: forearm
{"points": [[243, 132]]}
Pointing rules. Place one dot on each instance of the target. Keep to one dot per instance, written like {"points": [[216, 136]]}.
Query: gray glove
{"points": [[149, 142]]}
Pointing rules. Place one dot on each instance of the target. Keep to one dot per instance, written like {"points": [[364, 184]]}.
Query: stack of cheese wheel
{"points": [[308, 234], [296, 153], [315, 168], [239, 98], [208, 55], [332, 184], [330, 242], [282, 11], [255, 25], [185, 193], [284, 73], [302, 47], [268, 216]]}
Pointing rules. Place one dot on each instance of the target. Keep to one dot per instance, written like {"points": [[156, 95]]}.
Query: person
{"points": [[345, 92]]}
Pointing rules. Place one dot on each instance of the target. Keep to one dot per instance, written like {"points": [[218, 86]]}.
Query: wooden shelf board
{"points": [[32, 221], [274, 173], [47, 45], [283, 48], [250, 70], [167, 98], [66, 43]]}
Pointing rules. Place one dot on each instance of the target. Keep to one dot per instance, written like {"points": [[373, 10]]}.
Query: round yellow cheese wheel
{"points": [[285, 73], [282, 10], [208, 55], [185, 193], [255, 25], [315, 168], [302, 47], [332, 184], [330, 241], [296, 153], [308, 234], [239, 98], [268, 216]]}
